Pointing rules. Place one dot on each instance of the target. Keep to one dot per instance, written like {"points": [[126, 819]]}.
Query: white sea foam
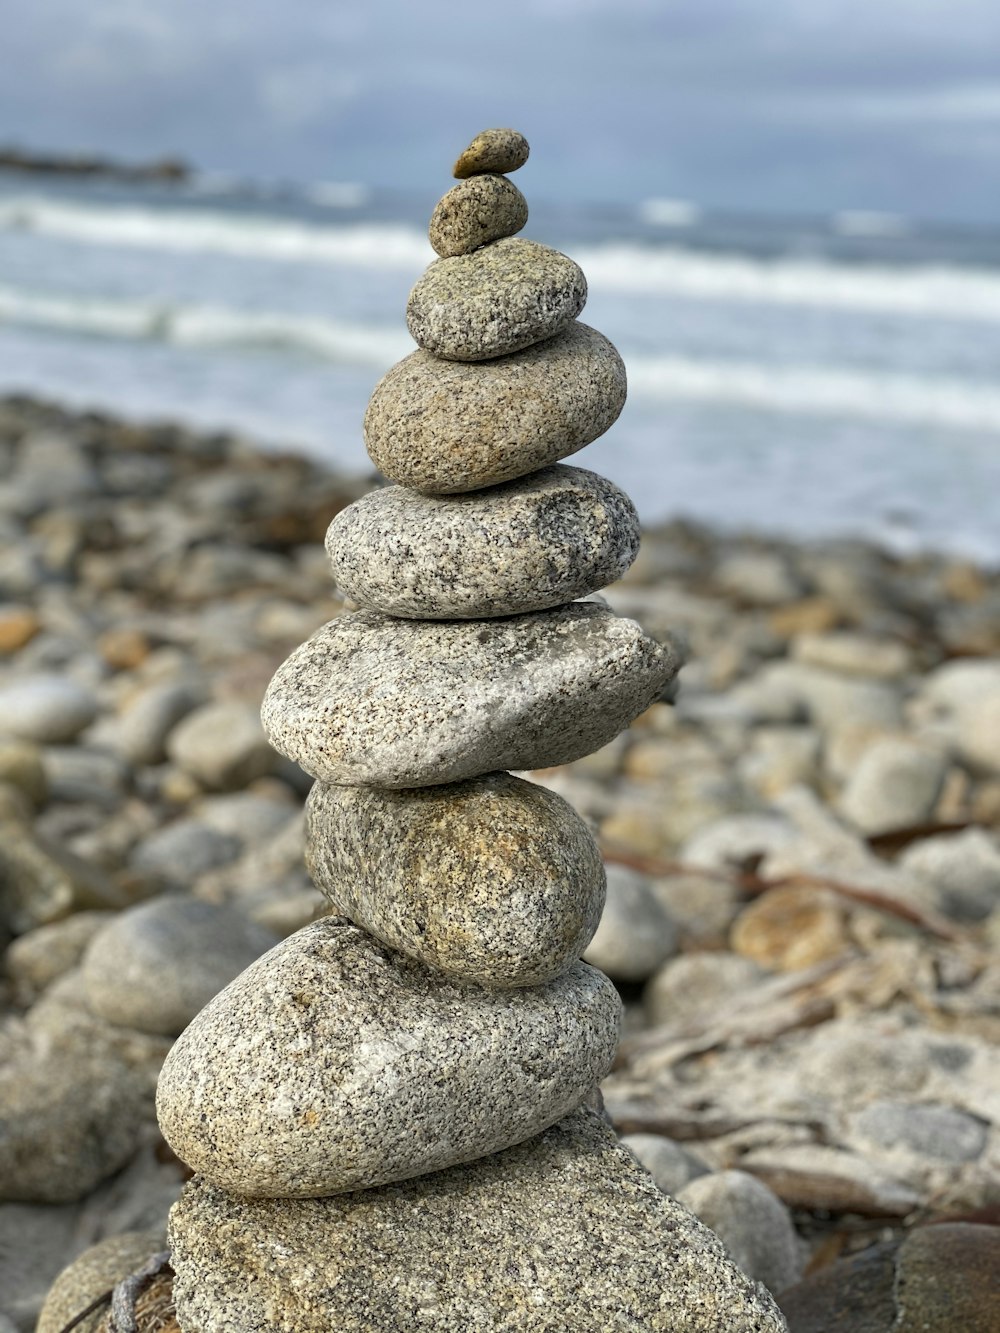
{"points": [[827, 391], [926, 291], [669, 212]]}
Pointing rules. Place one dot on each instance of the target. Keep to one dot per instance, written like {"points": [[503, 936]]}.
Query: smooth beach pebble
{"points": [[449, 426], [334, 1064], [492, 150], [47, 709], [476, 212], [371, 700], [498, 300], [589, 1245], [156, 965], [494, 880], [546, 539]]}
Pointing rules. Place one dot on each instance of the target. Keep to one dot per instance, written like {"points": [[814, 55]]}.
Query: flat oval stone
{"points": [[533, 543], [450, 426], [495, 880], [370, 700], [493, 150], [474, 213], [333, 1064], [497, 300]]}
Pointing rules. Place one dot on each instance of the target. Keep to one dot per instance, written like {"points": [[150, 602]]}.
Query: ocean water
{"points": [[811, 377]]}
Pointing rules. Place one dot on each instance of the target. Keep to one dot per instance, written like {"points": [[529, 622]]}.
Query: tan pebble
{"points": [[492, 150], [18, 626], [477, 211], [810, 615], [791, 928], [123, 648]]}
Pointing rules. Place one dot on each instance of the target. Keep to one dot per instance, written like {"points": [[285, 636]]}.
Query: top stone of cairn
{"points": [[497, 151]]}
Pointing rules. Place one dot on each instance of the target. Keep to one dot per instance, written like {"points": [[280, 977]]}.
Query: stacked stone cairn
{"points": [[387, 1114]]}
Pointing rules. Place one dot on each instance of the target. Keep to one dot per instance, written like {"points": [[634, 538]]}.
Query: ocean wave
{"points": [[918, 291], [826, 391], [206, 326]]}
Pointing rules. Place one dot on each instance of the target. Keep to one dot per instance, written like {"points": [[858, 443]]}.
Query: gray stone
{"points": [[333, 1064], [494, 880], [151, 716], [371, 700], [753, 1224], [446, 426], [36, 1241], [636, 933], [855, 654], [696, 986], [48, 709], [36, 959], [156, 965], [221, 745], [669, 1163], [96, 1271], [938, 1132], [177, 854], [495, 301], [963, 868], [896, 785], [565, 1234], [492, 150], [533, 543], [249, 816], [40, 881], [21, 766], [480, 210]]}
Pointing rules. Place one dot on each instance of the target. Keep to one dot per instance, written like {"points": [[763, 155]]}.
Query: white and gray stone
{"points": [[533, 543], [494, 880], [221, 745], [753, 1224], [588, 1245], [334, 1064], [446, 427], [495, 301], [636, 932], [668, 1162], [479, 210], [374, 701], [44, 708], [895, 785]]}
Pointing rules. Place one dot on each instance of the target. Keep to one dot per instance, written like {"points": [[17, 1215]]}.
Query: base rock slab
{"points": [[565, 1234]]}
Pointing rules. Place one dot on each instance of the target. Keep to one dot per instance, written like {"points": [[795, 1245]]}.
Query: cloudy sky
{"points": [[776, 105]]}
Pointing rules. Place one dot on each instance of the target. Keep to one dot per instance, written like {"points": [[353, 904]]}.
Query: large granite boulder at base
{"points": [[494, 301], [446, 427], [494, 880], [334, 1064], [564, 1234], [534, 543], [373, 700]]}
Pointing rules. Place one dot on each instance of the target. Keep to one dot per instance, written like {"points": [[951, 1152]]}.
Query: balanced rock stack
{"points": [[386, 1113]]}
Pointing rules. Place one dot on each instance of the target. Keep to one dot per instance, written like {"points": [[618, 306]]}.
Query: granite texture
{"points": [[370, 700], [533, 543], [495, 880], [446, 426], [334, 1064], [476, 212], [564, 1234], [155, 966], [492, 150], [96, 1271], [498, 300]]}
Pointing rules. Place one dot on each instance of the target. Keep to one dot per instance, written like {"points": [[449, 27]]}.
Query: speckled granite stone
{"points": [[564, 1234], [448, 426], [370, 700], [497, 300], [96, 1271], [335, 1064], [533, 543], [475, 212], [492, 150], [495, 880]]}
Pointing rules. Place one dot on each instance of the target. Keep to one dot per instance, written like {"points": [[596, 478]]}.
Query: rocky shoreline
{"points": [[804, 867]]}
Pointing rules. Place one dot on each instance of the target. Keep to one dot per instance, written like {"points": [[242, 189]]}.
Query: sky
{"points": [[778, 106]]}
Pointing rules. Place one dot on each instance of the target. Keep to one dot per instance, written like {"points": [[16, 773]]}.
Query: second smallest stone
{"points": [[492, 151], [475, 212]]}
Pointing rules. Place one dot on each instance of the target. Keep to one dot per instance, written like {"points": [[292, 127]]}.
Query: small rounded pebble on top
{"points": [[493, 150]]}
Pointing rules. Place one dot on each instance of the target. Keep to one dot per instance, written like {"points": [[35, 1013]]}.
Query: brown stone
{"points": [[791, 927], [499, 150]]}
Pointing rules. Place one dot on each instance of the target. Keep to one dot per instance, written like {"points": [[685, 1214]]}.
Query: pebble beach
{"points": [[801, 843]]}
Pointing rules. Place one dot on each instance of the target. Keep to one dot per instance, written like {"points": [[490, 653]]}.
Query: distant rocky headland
{"points": [[168, 169]]}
